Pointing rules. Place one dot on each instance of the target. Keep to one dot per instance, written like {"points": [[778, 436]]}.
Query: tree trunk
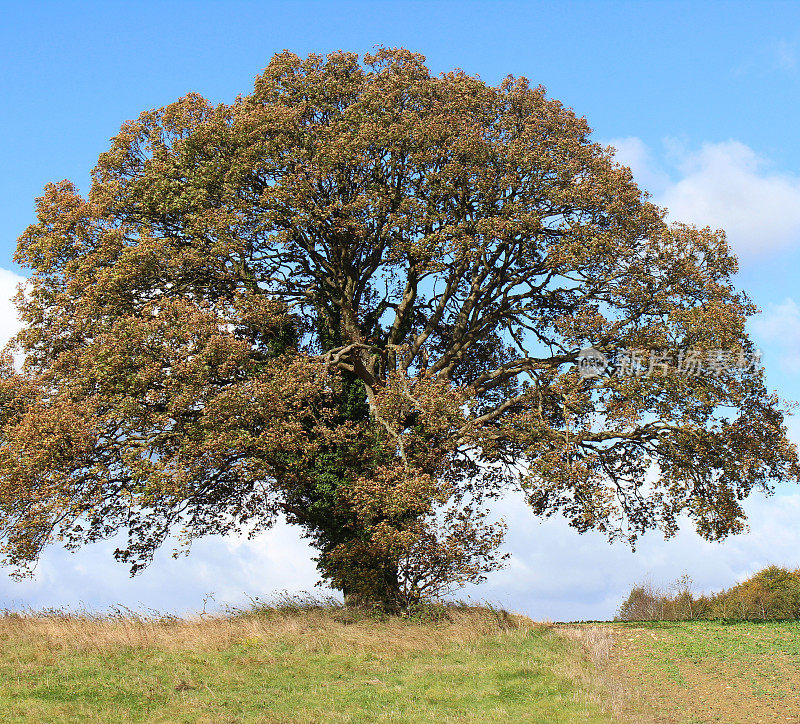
{"points": [[378, 589]]}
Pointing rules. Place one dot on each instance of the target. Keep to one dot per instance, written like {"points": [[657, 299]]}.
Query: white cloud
{"points": [[554, 573], [562, 575], [785, 55], [723, 185], [230, 569], [726, 185], [635, 153], [779, 327], [767, 59], [9, 322]]}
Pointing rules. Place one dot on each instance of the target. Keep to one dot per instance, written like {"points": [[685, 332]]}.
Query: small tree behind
{"points": [[772, 593]]}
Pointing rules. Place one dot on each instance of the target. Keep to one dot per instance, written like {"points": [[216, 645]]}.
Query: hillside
{"points": [[304, 665], [327, 664]]}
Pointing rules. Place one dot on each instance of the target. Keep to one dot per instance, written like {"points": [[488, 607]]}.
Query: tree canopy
{"points": [[356, 298]]}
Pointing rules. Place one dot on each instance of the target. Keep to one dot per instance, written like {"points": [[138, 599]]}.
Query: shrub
{"points": [[772, 593]]}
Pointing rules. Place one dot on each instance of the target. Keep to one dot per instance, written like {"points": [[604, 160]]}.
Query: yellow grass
{"points": [[301, 664], [311, 630]]}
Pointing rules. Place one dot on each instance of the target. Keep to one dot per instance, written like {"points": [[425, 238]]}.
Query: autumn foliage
{"points": [[771, 594], [354, 299]]}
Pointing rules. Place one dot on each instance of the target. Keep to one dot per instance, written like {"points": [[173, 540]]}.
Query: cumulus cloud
{"points": [[723, 185], [726, 185], [554, 572], [217, 571], [771, 57], [779, 327], [636, 154], [559, 574], [9, 323], [784, 54]]}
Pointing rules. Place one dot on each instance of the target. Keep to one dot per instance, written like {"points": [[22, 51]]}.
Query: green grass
{"points": [[318, 664], [291, 669]]}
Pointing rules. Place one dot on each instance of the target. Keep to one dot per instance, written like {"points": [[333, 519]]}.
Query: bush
{"points": [[773, 593], [643, 604]]}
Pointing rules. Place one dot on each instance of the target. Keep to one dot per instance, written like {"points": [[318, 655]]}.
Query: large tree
{"points": [[355, 298]]}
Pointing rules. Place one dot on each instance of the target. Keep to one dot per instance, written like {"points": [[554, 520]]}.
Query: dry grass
{"points": [[321, 663], [313, 629], [597, 641], [298, 663], [607, 690]]}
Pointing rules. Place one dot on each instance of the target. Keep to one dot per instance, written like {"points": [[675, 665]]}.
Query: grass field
{"points": [[329, 665], [307, 666], [704, 671]]}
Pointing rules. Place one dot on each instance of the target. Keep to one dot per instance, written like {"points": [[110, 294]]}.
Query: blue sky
{"points": [[699, 98]]}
